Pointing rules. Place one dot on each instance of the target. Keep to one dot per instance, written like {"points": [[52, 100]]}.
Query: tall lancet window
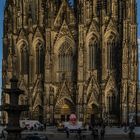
{"points": [[111, 54], [93, 54], [39, 58], [88, 9], [33, 7], [111, 103], [105, 5], [65, 57], [24, 59], [109, 6]]}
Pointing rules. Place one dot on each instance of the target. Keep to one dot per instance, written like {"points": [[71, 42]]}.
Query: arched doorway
{"points": [[112, 109], [65, 112], [94, 116], [63, 109], [38, 113]]}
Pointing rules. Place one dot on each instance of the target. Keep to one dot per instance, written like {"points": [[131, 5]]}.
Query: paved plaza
{"points": [[112, 133]]}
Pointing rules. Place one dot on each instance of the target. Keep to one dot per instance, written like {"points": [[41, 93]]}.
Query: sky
{"points": [[138, 17], [2, 2]]}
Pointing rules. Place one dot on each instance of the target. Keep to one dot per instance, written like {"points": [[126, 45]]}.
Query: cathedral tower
{"points": [[73, 58]]}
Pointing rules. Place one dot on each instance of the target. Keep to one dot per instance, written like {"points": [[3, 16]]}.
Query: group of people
{"points": [[78, 131], [96, 133], [131, 130]]}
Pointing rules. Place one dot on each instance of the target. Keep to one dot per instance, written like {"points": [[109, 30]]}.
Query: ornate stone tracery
{"points": [[73, 58]]}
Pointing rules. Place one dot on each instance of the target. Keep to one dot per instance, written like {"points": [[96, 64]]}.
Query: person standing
{"points": [[131, 135], [102, 133], [79, 134], [67, 132], [96, 135], [93, 133], [2, 134]]}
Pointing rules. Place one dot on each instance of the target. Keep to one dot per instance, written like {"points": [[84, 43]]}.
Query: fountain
{"points": [[14, 110]]}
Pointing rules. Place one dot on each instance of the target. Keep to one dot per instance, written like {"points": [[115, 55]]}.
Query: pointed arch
{"points": [[61, 40], [92, 51], [23, 55], [24, 59], [112, 32], [38, 113], [65, 56], [40, 57], [93, 93], [65, 51], [39, 53], [111, 44], [110, 53], [63, 101], [111, 95], [65, 105], [111, 101]]}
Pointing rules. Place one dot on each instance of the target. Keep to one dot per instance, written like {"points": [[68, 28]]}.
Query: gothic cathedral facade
{"points": [[72, 58]]}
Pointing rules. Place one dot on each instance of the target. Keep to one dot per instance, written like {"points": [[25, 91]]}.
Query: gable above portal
{"points": [[65, 12]]}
